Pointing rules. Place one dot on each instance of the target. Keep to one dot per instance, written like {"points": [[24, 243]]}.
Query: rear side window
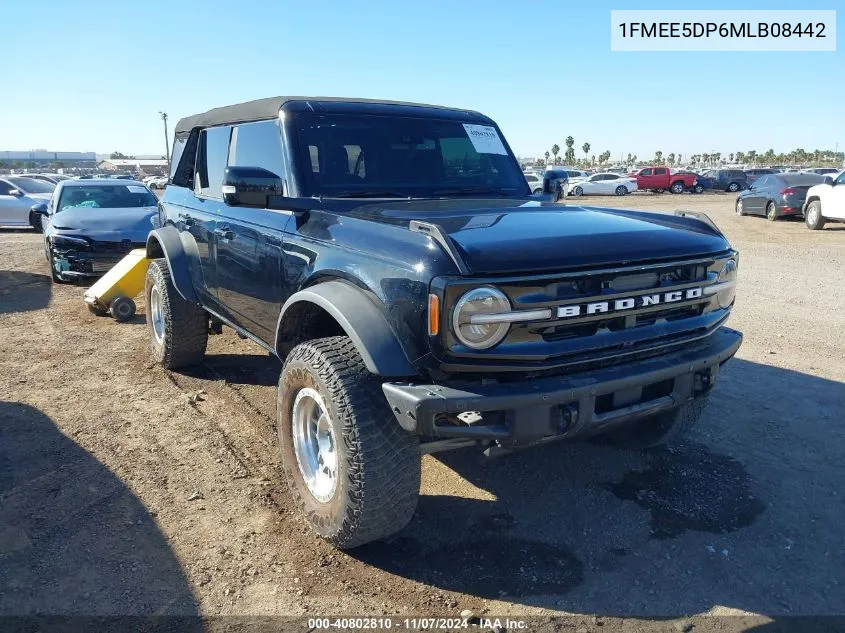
{"points": [[660, 172], [257, 145], [212, 154]]}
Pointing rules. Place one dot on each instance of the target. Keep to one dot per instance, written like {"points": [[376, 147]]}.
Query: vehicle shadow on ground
{"points": [[74, 539], [23, 292], [239, 369], [590, 528]]}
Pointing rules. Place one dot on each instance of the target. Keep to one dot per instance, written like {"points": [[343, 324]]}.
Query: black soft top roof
{"points": [[263, 109]]}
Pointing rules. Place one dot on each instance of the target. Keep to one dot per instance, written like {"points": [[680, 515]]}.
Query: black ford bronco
{"points": [[421, 299]]}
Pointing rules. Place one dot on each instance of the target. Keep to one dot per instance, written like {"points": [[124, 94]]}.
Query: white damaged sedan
{"points": [[604, 184]]}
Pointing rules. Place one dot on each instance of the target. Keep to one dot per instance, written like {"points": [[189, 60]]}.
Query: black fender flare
{"points": [[361, 320], [165, 242]]}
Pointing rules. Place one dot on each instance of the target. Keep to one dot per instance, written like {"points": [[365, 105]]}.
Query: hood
{"points": [[499, 236], [108, 225], [40, 196]]}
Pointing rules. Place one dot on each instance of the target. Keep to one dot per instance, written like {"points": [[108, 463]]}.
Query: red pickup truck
{"points": [[659, 179]]}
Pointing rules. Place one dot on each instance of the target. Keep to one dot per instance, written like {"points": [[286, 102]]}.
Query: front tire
{"points": [[353, 471], [733, 187], [660, 429], [739, 210], [178, 329], [814, 218], [698, 189], [771, 212], [537, 190], [621, 190], [578, 191]]}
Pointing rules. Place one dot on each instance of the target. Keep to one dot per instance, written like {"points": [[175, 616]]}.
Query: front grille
{"points": [[599, 317]]}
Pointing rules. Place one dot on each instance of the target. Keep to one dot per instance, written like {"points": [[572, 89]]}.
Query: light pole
{"points": [[166, 141]]}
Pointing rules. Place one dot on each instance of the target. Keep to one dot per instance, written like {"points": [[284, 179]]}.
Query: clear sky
{"points": [[92, 75]]}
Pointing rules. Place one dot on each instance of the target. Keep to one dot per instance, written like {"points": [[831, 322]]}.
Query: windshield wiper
{"points": [[368, 194], [473, 191]]}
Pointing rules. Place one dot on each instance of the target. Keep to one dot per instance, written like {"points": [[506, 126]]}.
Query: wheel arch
{"points": [[165, 243], [337, 307]]}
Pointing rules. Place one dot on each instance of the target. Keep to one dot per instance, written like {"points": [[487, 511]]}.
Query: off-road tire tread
{"points": [[383, 460], [185, 323]]}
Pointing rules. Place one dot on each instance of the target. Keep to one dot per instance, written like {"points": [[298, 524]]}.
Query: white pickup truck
{"points": [[825, 202]]}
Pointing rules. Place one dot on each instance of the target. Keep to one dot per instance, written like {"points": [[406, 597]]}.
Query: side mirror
{"points": [[15, 192], [829, 181], [250, 186], [40, 208]]}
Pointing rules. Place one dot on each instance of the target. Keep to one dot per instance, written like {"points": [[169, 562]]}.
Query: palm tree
{"points": [[555, 151], [731, 157], [752, 156], [586, 149], [570, 153], [671, 159], [658, 157], [547, 156]]}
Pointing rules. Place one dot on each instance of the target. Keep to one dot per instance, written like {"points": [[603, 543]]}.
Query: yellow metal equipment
{"points": [[114, 292]]}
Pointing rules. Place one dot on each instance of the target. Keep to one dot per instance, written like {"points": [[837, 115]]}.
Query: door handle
{"points": [[225, 232], [186, 219]]}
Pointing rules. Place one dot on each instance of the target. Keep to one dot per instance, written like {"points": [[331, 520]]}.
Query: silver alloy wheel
{"points": [[813, 214], [578, 191], [156, 314], [314, 444], [733, 187], [739, 207]]}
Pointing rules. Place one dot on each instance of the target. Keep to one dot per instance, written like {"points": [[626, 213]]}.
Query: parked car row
{"points": [[817, 197]]}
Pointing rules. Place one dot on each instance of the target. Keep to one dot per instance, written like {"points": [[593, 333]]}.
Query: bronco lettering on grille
{"points": [[627, 303]]}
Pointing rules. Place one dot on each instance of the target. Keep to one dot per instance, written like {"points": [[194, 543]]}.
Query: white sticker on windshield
{"points": [[485, 139], [136, 189]]}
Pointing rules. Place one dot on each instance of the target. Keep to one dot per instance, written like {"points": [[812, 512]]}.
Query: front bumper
{"points": [[567, 406]]}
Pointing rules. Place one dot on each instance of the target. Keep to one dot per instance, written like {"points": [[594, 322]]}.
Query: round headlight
{"points": [[727, 276], [475, 333]]}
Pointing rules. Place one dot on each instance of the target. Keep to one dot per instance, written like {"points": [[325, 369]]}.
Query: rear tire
{"points": [[178, 329], [122, 308], [733, 187], [538, 190], [662, 428], [814, 218], [771, 212], [362, 465], [677, 187], [36, 221]]}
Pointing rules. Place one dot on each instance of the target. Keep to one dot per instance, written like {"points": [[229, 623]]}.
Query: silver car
{"points": [[18, 194]]}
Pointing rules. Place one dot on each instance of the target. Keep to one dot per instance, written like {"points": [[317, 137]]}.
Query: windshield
{"points": [[31, 185], [379, 156], [106, 197]]}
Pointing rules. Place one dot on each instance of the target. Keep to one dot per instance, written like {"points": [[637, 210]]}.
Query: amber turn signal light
{"points": [[433, 315]]}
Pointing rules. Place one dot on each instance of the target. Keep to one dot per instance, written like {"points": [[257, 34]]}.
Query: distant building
{"points": [[43, 158], [136, 165]]}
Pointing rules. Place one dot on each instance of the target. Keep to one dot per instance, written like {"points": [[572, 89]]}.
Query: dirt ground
{"points": [[125, 489]]}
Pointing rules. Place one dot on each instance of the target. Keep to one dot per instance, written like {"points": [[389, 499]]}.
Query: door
{"points": [[249, 241], [14, 210], [646, 180], [661, 178], [197, 221], [754, 200], [833, 205]]}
